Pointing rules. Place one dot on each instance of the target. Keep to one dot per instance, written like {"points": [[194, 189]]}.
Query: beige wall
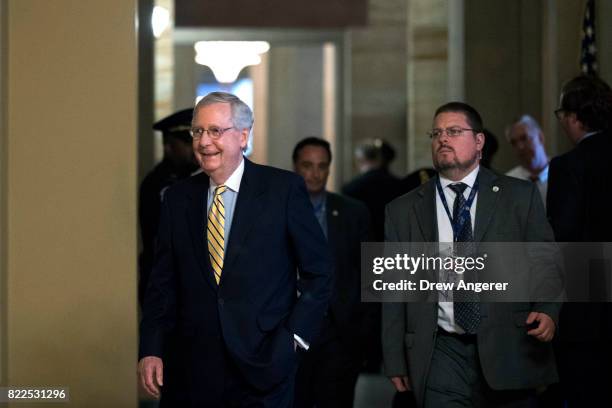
{"points": [[569, 15], [146, 46], [295, 79], [503, 70], [377, 101], [3, 179], [428, 74], [604, 38], [71, 135], [519, 54]]}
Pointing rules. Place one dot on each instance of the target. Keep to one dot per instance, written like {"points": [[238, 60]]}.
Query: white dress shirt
{"points": [[522, 173], [446, 315]]}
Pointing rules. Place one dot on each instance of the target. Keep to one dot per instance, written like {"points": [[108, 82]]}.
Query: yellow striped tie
{"points": [[215, 233]]}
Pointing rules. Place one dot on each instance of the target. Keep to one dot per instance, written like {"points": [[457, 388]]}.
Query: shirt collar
{"points": [[318, 198], [589, 134], [233, 182], [470, 179], [319, 201], [542, 175]]}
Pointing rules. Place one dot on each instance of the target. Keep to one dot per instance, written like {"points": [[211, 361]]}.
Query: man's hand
{"points": [[545, 331], [401, 383], [151, 375]]}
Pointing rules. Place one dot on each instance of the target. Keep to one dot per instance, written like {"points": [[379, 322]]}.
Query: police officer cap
{"points": [[177, 124]]}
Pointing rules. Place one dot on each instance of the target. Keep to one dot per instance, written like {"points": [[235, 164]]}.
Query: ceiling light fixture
{"points": [[160, 20], [227, 58]]}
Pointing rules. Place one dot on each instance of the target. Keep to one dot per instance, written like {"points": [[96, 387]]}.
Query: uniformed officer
{"points": [[178, 163]]}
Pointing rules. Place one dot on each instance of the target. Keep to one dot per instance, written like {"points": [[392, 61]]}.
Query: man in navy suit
{"points": [[579, 196], [224, 314], [328, 372]]}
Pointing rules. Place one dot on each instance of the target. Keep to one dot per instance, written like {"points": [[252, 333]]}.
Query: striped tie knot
{"points": [[220, 189]]}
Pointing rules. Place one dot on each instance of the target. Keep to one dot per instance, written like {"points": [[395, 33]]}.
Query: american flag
{"points": [[588, 55]]}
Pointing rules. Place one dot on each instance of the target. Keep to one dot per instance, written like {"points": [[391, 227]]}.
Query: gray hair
{"points": [[526, 120], [242, 115]]}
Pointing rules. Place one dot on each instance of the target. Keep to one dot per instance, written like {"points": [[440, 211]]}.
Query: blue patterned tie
{"points": [[465, 303]]}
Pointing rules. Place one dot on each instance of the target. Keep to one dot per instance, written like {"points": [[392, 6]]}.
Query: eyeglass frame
{"points": [[447, 131], [558, 112], [209, 131]]}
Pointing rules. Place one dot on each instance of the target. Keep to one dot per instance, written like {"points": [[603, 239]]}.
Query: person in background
{"points": [[177, 163], [328, 372], [489, 149], [375, 186], [527, 140], [578, 204], [416, 178]]}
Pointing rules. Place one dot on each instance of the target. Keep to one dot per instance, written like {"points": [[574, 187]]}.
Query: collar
{"points": [[319, 201], [589, 134], [542, 175], [233, 182], [470, 179]]}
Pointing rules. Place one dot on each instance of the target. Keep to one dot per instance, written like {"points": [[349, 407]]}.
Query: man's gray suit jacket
{"points": [[507, 210]]}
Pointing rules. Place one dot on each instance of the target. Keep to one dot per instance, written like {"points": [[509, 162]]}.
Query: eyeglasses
{"points": [[559, 113], [454, 131], [213, 131]]}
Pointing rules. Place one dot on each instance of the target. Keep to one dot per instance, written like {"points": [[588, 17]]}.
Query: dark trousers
{"points": [[326, 376], [239, 394], [224, 387], [456, 380], [585, 373], [404, 400]]}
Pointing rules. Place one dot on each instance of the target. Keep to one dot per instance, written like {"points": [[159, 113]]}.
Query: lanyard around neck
{"points": [[464, 212]]}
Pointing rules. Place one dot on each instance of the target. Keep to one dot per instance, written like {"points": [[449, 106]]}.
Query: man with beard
{"points": [[467, 353], [178, 163]]}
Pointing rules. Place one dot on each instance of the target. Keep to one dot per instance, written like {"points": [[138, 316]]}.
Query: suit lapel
{"points": [[486, 203], [425, 210], [333, 219], [197, 220], [247, 210]]}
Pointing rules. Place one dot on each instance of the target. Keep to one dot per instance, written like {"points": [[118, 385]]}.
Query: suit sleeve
{"points": [[369, 311], [313, 260], [393, 321], [544, 254], [159, 308], [148, 216], [364, 223], [563, 201]]}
